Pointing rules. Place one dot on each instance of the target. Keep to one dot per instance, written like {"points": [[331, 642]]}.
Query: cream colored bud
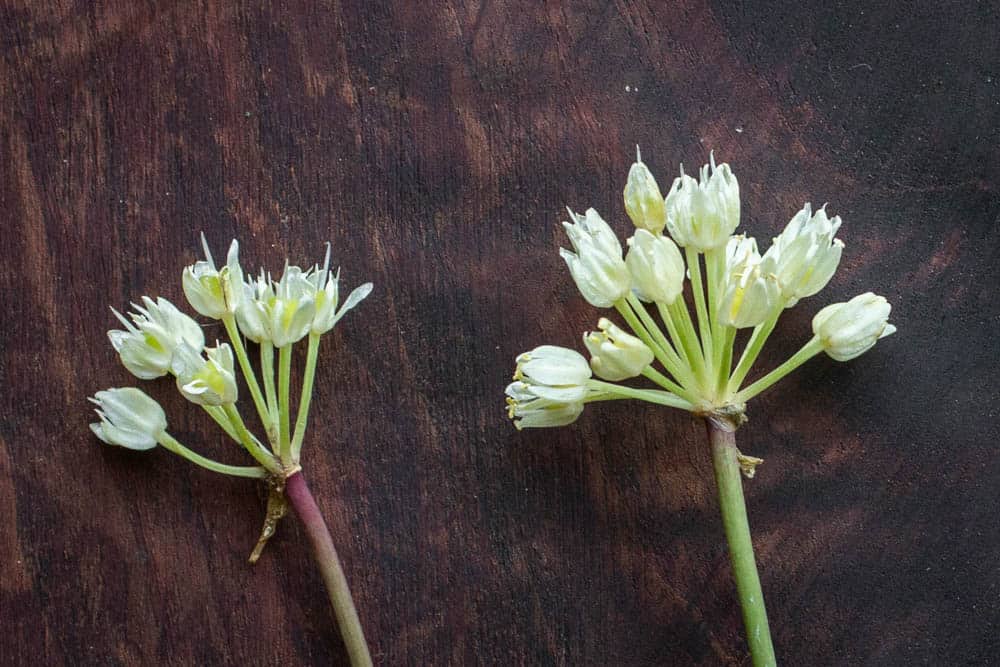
{"points": [[656, 267], [615, 354], [129, 418], [643, 200], [847, 330]]}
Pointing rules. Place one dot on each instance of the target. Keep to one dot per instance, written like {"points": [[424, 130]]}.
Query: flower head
{"points": [[214, 292], [597, 266], [749, 291], [847, 330], [129, 418], [806, 254], [656, 267], [210, 381], [643, 200], [702, 215], [326, 294], [615, 354], [148, 341]]}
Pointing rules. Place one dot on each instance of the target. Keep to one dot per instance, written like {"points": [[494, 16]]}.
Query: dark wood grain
{"points": [[435, 145]]}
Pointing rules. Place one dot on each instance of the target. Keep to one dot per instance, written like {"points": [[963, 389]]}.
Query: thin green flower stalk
{"points": [[732, 286], [159, 340]]}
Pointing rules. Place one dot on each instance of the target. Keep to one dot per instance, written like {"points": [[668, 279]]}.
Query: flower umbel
{"points": [[732, 287], [160, 339]]}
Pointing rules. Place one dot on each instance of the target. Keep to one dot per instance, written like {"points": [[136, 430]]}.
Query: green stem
{"points": [[675, 335], [640, 331], [171, 443], [306, 397], [229, 321], [724, 360], [704, 326], [734, 520], [665, 382], [675, 367], [679, 311], [267, 370], [256, 450], [284, 380], [305, 506], [752, 350], [649, 395], [808, 351], [219, 417]]}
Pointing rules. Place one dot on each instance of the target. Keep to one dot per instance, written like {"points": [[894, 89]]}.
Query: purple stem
{"points": [[305, 506]]}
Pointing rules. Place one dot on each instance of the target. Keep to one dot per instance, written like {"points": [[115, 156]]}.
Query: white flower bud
{"points": [[528, 410], [326, 295], [656, 267], [252, 315], [204, 381], [847, 330], [749, 291], [643, 200], [806, 254], [703, 215], [214, 292], [147, 343], [129, 418], [615, 354], [597, 266]]}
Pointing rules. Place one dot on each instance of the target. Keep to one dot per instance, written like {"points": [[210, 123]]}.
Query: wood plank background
{"points": [[435, 145]]}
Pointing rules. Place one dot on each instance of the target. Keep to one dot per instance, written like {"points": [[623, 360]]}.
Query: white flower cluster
{"points": [[733, 287], [159, 340]]}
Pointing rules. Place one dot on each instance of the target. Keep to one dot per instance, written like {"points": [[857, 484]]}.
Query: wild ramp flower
{"points": [[691, 358], [158, 339]]}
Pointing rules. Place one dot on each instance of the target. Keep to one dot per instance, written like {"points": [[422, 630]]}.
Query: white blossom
{"points": [[205, 381], [211, 291], [597, 266], [806, 254], [749, 292], [129, 418], [148, 341], [656, 267], [702, 215]]}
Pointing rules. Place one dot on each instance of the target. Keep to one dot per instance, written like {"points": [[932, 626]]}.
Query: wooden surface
{"points": [[435, 145]]}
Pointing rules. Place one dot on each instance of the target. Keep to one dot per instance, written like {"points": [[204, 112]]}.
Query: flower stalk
{"points": [[302, 501], [725, 461]]}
